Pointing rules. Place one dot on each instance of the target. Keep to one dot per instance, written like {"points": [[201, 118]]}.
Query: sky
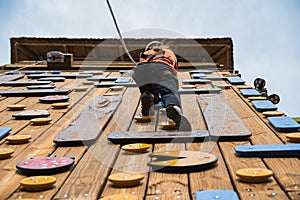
{"points": [[265, 33]]}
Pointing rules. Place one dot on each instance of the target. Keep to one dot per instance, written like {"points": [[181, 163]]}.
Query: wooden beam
{"points": [[25, 50]]}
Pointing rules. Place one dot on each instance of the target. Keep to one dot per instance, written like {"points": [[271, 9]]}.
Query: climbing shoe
{"points": [[147, 103], [174, 113]]}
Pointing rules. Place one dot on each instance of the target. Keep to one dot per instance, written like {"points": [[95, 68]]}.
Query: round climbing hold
{"points": [[38, 183], [18, 139], [254, 175], [136, 147], [125, 179]]}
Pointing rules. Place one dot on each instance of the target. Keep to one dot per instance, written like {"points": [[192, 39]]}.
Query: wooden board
{"points": [[200, 71], [7, 78], [195, 81], [261, 134], [174, 137], [200, 91], [219, 117], [156, 137], [53, 79], [123, 79], [268, 150], [24, 83], [67, 76], [100, 79], [94, 72], [35, 87], [101, 156], [198, 75], [86, 129], [107, 85], [34, 93], [41, 72]]}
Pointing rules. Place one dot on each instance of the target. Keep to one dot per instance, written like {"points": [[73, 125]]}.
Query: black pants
{"points": [[158, 79]]}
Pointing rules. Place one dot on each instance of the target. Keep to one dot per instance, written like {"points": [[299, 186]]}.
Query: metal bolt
{"points": [[65, 196], [86, 195], [248, 189], [273, 194], [217, 197], [252, 195]]}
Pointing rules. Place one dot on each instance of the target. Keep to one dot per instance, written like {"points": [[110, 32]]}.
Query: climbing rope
{"points": [[120, 35]]}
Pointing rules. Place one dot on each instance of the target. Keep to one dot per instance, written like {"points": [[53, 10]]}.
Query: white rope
{"points": [[118, 30]]}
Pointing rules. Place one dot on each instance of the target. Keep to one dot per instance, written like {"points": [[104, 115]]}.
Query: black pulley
{"points": [[259, 83], [274, 98]]}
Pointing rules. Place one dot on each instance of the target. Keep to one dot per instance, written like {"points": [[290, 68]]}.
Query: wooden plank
{"points": [[48, 148], [37, 92], [83, 133], [261, 135], [219, 118], [127, 137], [42, 146], [46, 142], [233, 163], [214, 178], [47, 194], [262, 117], [6, 78], [168, 185], [23, 126], [165, 185], [249, 190], [132, 162], [101, 157], [24, 83], [67, 76]]}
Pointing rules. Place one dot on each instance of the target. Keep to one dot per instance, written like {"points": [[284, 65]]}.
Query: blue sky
{"points": [[265, 33]]}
